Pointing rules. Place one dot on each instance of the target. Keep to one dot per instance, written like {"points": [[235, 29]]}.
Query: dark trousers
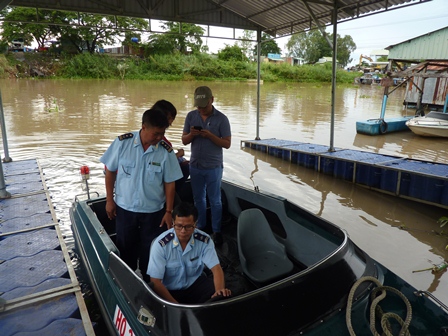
{"points": [[135, 232], [185, 167], [200, 291]]}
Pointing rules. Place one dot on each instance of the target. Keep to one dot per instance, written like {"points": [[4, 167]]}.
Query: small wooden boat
{"points": [[368, 78], [303, 276], [434, 124]]}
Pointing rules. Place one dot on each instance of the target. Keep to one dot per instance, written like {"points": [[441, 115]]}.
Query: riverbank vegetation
{"points": [[161, 67], [74, 45]]}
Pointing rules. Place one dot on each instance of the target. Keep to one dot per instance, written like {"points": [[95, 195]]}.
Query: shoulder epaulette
{"points": [[125, 136], [166, 146], [165, 240], [201, 237]]}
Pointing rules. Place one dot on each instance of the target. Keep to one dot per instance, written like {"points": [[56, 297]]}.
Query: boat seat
{"points": [[437, 115], [263, 258]]}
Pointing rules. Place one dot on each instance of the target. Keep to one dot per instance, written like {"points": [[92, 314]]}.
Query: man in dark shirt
{"points": [[208, 131]]}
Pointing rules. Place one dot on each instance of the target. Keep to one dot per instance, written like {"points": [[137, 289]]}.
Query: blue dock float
{"points": [[39, 291], [421, 181], [382, 126]]}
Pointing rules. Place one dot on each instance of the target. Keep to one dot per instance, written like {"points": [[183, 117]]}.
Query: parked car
{"points": [[17, 45]]}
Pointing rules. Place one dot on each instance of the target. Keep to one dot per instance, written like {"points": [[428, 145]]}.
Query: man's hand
{"points": [[180, 153], [167, 220], [205, 133], [111, 209], [222, 292], [195, 132]]}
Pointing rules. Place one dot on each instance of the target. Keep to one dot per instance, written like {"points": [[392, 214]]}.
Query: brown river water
{"points": [[65, 124]]}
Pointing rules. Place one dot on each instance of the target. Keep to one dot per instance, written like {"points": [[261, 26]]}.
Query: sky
{"points": [[370, 33], [376, 31]]}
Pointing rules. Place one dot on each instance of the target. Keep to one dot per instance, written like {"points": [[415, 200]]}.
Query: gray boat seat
{"points": [[263, 258]]}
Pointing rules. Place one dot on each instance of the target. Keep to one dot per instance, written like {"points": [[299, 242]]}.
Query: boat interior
{"points": [[437, 115], [281, 262], [260, 246]]}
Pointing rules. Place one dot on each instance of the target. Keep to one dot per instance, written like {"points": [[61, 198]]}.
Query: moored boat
{"points": [[368, 78], [434, 124], [310, 297]]}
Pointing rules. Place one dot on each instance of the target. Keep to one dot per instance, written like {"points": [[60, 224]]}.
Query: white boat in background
{"points": [[434, 124]]}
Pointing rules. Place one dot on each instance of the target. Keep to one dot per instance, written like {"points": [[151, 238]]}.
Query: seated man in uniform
{"points": [[177, 261]]}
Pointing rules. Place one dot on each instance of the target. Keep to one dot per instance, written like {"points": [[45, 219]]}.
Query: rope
{"points": [[379, 294]]}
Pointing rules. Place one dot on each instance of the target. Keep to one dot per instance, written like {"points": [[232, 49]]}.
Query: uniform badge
{"points": [[203, 238], [165, 240], [166, 146], [125, 136]]}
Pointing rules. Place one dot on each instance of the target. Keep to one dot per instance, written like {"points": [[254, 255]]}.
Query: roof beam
{"points": [[4, 3], [109, 6], [316, 22], [142, 5]]}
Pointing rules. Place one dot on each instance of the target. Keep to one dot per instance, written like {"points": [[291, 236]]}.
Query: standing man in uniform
{"points": [[142, 171], [208, 131], [171, 113]]}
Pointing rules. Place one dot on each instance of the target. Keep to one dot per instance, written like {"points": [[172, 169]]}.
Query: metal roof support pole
{"points": [[420, 108], [446, 104], [3, 192], [257, 137], [3, 128], [333, 77]]}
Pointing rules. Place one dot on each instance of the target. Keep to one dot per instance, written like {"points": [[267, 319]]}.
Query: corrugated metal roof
{"points": [[428, 69], [277, 17], [430, 46]]}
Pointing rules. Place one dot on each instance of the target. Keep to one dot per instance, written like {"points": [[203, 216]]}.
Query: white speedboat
{"points": [[434, 124]]}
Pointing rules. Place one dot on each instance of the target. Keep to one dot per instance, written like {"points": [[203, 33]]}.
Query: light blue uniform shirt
{"points": [[140, 175], [180, 269]]}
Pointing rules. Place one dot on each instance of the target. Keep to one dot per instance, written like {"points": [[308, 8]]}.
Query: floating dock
{"points": [[382, 126], [421, 181], [39, 291]]}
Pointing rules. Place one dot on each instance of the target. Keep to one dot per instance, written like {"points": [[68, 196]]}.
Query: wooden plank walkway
{"points": [[421, 181], [39, 291]]}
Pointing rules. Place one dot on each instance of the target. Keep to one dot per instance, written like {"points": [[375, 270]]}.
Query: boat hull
{"points": [[380, 126], [435, 124], [312, 300]]}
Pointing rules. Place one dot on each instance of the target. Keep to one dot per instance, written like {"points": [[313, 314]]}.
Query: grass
{"points": [[175, 67]]}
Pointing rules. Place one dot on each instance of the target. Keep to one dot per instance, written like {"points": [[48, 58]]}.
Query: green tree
{"points": [[21, 28], [245, 43], [87, 31], [268, 46], [232, 53], [205, 49], [312, 45], [346, 46], [182, 38], [129, 36], [160, 44], [82, 31]]}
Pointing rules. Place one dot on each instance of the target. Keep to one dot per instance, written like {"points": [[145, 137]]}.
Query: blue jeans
{"points": [[207, 182]]}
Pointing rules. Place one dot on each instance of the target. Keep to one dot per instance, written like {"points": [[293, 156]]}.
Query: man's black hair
{"points": [[155, 118], [185, 209], [166, 107]]}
